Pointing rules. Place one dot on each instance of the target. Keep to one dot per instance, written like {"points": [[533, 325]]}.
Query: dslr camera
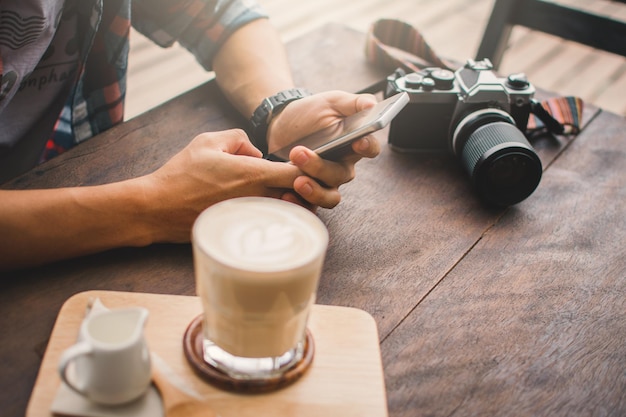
{"points": [[476, 116]]}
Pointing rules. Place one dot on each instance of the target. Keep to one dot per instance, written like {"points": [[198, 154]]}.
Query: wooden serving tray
{"points": [[346, 378]]}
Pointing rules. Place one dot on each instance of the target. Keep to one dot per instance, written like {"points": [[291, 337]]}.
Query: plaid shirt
{"points": [[96, 102]]}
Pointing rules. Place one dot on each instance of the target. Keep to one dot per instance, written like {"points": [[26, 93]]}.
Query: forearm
{"points": [[252, 65], [39, 226]]}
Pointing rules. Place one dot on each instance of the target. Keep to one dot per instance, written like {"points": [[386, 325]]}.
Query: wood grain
{"points": [[532, 321]]}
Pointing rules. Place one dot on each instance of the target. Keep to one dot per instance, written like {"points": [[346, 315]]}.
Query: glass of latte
{"points": [[257, 263]]}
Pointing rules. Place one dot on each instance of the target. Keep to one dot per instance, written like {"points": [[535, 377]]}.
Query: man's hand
{"points": [[214, 166], [320, 185]]}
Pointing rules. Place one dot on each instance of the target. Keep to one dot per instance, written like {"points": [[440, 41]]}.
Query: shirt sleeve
{"points": [[201, 26]]}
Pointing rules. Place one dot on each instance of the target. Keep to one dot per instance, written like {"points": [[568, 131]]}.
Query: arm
{"points": [[40, 226], [251, 65]]}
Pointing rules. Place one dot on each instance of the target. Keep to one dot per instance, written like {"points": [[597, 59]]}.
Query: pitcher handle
{"points": [[67, 357]]}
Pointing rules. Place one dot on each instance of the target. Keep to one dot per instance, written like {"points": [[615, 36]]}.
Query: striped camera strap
{"points": [[393, 44]]}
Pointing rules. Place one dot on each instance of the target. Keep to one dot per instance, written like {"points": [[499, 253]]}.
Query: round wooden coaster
{"points": [[194, 352]]}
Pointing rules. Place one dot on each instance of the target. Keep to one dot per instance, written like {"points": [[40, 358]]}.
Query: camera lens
{"points": [[503, 166]]}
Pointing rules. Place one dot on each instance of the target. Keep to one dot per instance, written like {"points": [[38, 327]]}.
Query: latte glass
{"points": [[257, 264]]}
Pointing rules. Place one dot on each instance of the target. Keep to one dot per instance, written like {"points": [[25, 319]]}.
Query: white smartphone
{"points": [[334, 141]]}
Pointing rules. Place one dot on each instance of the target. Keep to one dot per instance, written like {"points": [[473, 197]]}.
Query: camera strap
{"points": [[393, 44]]}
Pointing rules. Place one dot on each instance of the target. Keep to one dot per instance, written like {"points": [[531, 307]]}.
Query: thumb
{"points": [[347, 104], [236, 142]]}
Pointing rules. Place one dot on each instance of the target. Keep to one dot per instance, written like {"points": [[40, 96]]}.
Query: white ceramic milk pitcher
{"points": [[111, 361]]}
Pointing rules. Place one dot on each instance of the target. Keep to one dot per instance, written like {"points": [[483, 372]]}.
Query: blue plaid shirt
{"points": [[96, 103]]}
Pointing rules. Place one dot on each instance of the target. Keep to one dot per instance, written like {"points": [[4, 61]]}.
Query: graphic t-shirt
{"points": [[39, 58]]}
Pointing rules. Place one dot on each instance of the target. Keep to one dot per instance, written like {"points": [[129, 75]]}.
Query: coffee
{"points": [[257, 262]]}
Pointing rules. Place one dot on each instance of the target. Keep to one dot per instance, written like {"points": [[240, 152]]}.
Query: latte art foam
{"points": [[260, 237], [263, 243]]}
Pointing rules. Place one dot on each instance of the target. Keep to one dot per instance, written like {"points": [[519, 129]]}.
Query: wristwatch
{"points": [[270, 107]]}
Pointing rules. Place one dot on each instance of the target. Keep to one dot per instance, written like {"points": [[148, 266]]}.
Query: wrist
{"points": [[269, 108], [140, 209]]}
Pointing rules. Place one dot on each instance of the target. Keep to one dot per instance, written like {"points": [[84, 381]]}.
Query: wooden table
{"points": [[518, 311]]}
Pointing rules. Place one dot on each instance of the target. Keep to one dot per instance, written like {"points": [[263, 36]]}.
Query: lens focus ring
{"points": [[502, 164], [488, 137]]}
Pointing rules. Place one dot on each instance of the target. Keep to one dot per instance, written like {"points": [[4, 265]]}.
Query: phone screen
{"points": [[334, 141]]}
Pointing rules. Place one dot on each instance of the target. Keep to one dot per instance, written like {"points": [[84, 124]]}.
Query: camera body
{"points": [[478, 117]]}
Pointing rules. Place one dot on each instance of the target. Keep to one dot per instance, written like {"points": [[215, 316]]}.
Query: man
{"points": [[80, 48]]}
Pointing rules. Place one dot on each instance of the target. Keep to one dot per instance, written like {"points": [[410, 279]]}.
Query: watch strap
{"points": [[270, 107]]}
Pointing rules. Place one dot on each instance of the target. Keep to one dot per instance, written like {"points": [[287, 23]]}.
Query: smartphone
{"points": [[334, 141]]}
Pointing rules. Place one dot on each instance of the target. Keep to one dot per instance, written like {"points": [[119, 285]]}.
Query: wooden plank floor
{"points": [[452, 27]]}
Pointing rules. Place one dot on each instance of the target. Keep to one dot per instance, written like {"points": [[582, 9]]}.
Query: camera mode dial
{"points": [[444, 79], [413, 81], [428, 84]]}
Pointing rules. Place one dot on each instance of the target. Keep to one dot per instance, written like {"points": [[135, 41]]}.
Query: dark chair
{"points": [[567, 22]]}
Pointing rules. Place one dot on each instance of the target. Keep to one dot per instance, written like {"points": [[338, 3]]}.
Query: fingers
{"points": [[366, 147], [308, 180], [347, 103], [312, 192], [233, 141], [329, 173], [293, 197], [229, 162], [320, 184]]}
